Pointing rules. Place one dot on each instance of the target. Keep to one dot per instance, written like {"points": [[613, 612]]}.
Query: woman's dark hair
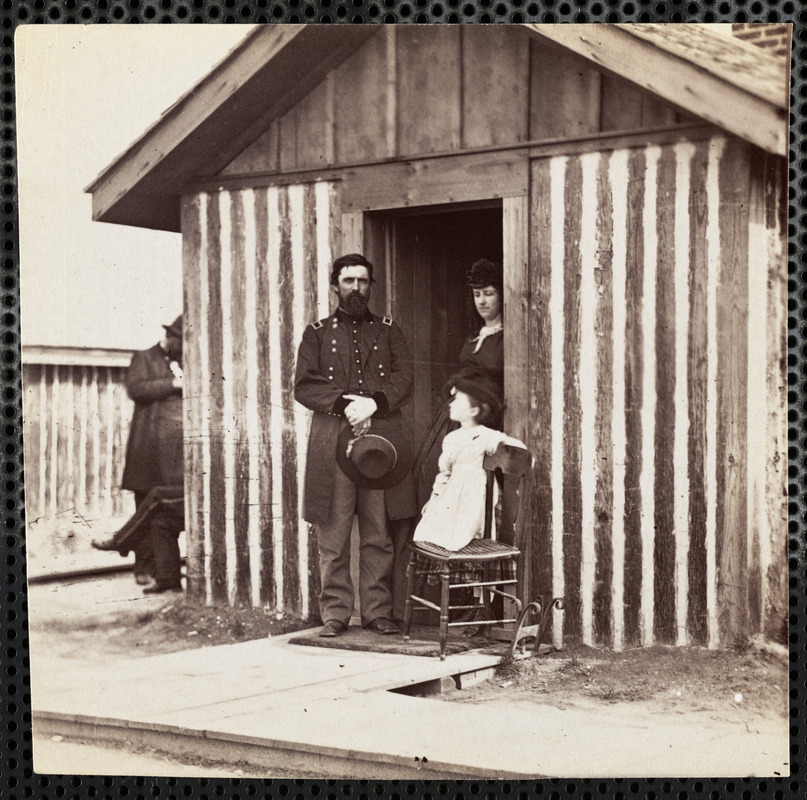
{"points": [[483, 272], [350, 260]]}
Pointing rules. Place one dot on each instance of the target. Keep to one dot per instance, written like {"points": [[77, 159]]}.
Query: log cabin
{"points": [[632, 180]]}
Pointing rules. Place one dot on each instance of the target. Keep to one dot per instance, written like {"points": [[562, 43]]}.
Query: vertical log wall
{"points": [[256, 266], [653, 285], [657, 393]]}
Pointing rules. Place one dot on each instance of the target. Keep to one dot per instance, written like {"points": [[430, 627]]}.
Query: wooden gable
{"points": [[291, 99], [414, 91]]}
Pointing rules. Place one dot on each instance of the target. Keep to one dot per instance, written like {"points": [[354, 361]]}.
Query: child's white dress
{"points": [[455, 514]]}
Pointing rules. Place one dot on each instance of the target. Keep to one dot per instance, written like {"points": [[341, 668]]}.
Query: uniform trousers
{"points": [[375, 554]]}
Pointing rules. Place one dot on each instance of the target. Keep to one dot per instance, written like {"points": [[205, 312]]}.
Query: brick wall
{"points": [[775, 38]]}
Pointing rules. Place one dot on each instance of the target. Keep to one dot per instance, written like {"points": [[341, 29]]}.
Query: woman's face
{"points": [[488, 303]]}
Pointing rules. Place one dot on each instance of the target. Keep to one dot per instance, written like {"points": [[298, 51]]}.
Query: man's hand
{"points": [[176, 371], [362, 428], [360, 409]]}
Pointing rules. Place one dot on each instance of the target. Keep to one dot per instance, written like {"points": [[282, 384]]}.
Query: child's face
{"points": [[462, 407]]}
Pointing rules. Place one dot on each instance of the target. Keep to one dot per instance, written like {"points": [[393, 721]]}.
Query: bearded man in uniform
{"points": [[353, 367]]}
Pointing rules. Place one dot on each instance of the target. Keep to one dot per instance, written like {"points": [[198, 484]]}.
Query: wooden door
{"points": [[431, 255]]}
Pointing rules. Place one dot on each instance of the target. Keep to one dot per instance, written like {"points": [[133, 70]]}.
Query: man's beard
{"points": [[355, 304]]}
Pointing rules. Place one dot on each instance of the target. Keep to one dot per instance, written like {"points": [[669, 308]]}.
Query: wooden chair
{"points": [[512, 467]]}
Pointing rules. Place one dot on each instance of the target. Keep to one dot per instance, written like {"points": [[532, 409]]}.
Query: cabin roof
{"points": [[728, 82]]}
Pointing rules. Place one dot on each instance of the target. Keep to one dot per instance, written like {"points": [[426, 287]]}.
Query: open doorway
{"points": [[429, 253]]}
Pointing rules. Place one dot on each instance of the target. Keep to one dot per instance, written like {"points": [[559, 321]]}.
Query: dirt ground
{"points": [[109, 618], [738, 684]]}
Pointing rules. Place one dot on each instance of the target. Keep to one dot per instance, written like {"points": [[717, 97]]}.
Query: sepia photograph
{"points": [[406, 401]]}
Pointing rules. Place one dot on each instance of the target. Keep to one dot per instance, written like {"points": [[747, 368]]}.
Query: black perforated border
{"points": [[16, 776]]}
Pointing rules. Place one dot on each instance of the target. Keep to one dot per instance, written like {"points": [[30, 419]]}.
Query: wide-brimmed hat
{"points": [[378, 459], [175, 327]]}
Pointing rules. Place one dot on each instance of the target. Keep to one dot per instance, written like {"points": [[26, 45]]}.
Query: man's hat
{"points": [[379, 459], [175, 327]]}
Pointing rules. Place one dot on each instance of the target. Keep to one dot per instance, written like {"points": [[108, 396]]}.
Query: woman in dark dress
{"points": [[482, 350]]}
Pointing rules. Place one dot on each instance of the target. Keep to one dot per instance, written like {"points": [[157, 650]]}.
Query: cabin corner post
{"points": [[767, 382], [543, 507], [516, 244], [775, 609], [732, 524], [192, 207]]}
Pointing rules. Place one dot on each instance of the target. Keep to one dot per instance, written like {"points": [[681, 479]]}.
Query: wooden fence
{"points": [[76, 419]]}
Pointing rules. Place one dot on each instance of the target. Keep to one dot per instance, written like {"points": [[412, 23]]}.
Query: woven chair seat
{"points": [[475, 550]]}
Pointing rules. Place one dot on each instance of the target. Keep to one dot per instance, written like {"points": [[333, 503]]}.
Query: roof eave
{"points": [[617, 49], [258, 81]]}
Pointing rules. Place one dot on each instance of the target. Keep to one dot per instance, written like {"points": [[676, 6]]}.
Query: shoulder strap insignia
{"points": [[316, 325], [387, 320]]}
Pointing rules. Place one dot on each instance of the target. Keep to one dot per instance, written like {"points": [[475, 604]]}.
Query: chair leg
{"points": [[487, 604], [444, 591], [410, 586]]}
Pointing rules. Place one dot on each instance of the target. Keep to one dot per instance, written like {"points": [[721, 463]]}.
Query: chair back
{"points": [[510, 466]]}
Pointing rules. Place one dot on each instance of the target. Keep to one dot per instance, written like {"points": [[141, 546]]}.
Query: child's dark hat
{"points": [[479, 386]]}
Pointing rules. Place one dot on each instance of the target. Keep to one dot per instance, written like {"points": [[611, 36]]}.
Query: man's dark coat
{"points": [[154, 451], [322, 377]]}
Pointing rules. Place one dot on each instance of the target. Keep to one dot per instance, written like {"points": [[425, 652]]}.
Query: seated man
{"points": [[160, 516]]}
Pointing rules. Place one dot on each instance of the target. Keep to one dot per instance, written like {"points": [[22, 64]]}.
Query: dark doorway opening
{"points": [[430, 253]]}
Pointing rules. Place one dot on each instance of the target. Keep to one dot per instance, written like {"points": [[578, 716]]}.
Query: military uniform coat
{"points": [[323, 364], [154, 450]]}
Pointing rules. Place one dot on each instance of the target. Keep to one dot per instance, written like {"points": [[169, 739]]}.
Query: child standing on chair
{"points": [[455, 513]]}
